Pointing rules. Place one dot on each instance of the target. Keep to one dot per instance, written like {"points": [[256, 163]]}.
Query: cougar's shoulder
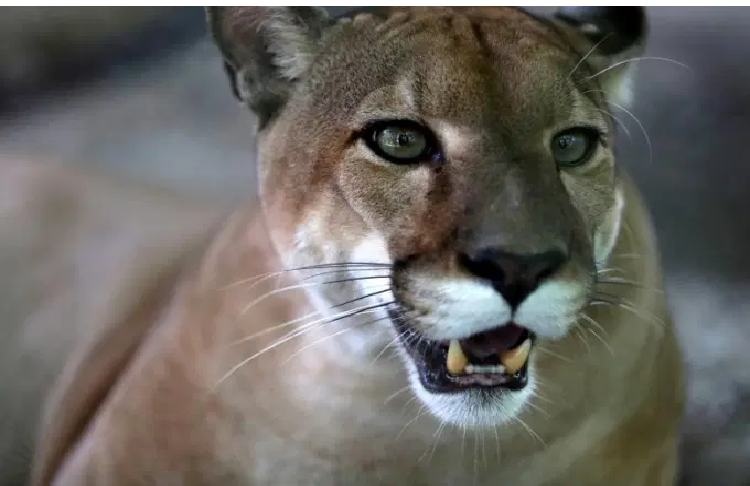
{"points": [[80, 252]]}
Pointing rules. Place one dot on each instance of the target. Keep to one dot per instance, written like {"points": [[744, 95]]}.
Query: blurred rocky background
{"points": [[140, 91]]}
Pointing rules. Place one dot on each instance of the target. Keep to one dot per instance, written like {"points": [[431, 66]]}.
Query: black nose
{"points": [[514, 275]]}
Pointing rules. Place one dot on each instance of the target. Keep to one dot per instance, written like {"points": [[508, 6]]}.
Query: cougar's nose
{"points": [[514, 275]]}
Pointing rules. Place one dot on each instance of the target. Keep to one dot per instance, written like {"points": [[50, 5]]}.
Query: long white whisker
{"points": [[397, 393], [420, 413], [297, 320], [325, 338], [431, 450], [292, 336], [271, 329], [629, 306], [635, 59], [297, 286], [531, 431], [582, 338], [591, 51], [537, 407], [591, 321], [631, 256], [624, 281], [395, 340], [605, 270], [544, 350], [618, 121], [339, 267], [643, 129]]}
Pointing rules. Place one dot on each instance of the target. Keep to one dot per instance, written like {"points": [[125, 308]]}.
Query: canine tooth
{"points": [[457, 360], [514, 359]]}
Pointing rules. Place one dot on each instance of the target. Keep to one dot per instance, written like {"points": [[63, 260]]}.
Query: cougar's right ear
{"points": [[266, 50], [612, 36]]}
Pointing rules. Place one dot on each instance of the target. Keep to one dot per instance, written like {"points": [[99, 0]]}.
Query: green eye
{"points": [[573, 147], [401, 142]]}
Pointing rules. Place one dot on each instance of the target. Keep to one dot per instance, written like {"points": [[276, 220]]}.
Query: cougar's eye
{"points": [[401, 142], [574, 147]]}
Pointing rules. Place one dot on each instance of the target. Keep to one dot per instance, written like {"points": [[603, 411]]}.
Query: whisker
{"points": [[484, 451], [431, 450], [531, 431], [340, 270], [553, 354], [627, 255], [593, 322], [354, 279], [344, 265], [408, 402], [271, 329], [392, 396], [623, 281], [366, 296], [366, 308], [643, 129], [545, 385], [463, 441], [401, 335], [583, 339], [294, 335], [637, 59], [603, 271], [420, 413], [617, 120], [537, 407], [497, 443], [605, 343], [297, 286], [297, 320], [326, 338], [626, 305], [591, 51], [476, 456]]}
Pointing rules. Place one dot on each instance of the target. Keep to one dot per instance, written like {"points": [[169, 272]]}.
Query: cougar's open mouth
{"points": [[498, 357]]}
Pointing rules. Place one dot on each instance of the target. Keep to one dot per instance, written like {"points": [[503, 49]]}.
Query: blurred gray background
{"points": [[140, 91]]}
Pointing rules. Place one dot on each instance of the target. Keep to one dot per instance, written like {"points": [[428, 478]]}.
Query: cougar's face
{"points": [[467, 155]]}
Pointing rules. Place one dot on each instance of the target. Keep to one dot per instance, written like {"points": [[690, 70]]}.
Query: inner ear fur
{"points": [[266, 50]]}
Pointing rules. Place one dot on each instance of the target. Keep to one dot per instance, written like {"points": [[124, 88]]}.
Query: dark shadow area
{"points": [[119, 54]]}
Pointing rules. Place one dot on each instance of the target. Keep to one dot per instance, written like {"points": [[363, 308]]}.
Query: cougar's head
{"points": [[454, 165]]}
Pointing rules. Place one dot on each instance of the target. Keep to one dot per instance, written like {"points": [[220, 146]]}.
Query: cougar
{"points": [[442, 278]]}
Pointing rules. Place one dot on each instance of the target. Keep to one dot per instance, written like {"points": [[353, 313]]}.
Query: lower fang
{"points": [[484, 369]]}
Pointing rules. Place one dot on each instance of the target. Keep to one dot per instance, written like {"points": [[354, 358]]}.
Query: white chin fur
{"points": [[477, 408]]}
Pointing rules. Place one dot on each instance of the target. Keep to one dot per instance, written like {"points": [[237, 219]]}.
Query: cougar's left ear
{"points": [[266, 50], [610, 36]]}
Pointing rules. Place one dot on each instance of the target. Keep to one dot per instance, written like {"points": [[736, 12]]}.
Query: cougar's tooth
{"points": [[457, 360], [514, 359]]}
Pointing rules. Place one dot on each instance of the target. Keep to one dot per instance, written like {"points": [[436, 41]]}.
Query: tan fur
{"points": [[137, 305]]}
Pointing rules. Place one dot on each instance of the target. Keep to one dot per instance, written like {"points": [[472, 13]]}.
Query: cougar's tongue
{"points": [[493, 342], [502, 342]]}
